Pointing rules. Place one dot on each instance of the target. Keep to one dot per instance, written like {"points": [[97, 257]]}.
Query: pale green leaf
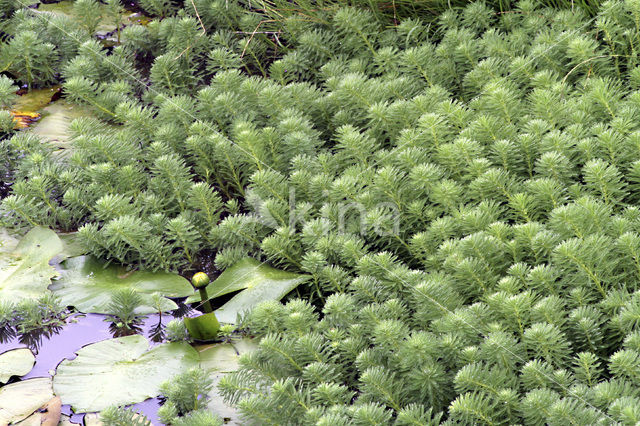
{"points": [[220, 359], [16, 362], [18, 400], [25, 272], [56, 119], [119, 372], [87, 285], [258, 281]]}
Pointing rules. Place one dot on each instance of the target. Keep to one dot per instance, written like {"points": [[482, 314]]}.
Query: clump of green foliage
{"points": [[7, 97], [186, 398], [118, 416], [30, 320], [185, 395], [463, 193], [176, 331], [124, 318]]}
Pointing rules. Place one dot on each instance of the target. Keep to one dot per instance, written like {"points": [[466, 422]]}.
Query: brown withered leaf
{"points": [[51, 412], [24, 119]]}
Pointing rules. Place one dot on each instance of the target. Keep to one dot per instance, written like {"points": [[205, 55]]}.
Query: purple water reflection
{"points": [[80, 331]]}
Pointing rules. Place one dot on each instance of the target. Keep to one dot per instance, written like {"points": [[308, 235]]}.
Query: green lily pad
{"points": [[27, 106], [35, 99], [71, 246], [18, 400], [56, 119], [259, 281], [224, 357], [33, 420], [65, 7], [16, 362], [49, 120], [220, 359], [25, 272], [203, 327], [92, 419], [87, 285], [119, 372]]}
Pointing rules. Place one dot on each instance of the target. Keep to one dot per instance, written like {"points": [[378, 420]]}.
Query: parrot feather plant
{"points": [[463, 192]]}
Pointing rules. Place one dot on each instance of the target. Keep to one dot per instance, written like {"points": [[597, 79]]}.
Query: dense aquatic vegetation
{"points": [[462, 189]]}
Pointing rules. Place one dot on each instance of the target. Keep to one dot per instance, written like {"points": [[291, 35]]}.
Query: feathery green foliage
{"points": [[463, 193], [116, 416]]}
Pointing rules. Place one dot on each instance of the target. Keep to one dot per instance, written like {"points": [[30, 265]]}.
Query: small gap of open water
{"points": [[80, 330]]}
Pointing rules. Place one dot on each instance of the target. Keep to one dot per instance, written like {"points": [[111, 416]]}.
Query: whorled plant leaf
{"points": [[258, 281], [16, 362], [25, 272], [86, 284], [18, 400], [119, 371]]}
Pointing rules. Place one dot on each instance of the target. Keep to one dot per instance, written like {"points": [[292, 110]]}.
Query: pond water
{"points": [[50, 347]]}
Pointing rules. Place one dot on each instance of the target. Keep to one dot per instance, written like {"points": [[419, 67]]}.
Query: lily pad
{"points": [[220, 359], [35, 99], [86, 284], [24, 119], [18, 400], [119, 372], [92, 419], [224, 357], [56, 119], [25, 272], [47, 116], [66, 421], [71, 246], [105, 25], [47, 415], [16, 362], [27, 106], [259, 281], [65, 7]]}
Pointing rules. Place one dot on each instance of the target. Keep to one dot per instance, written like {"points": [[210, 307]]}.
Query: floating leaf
{"points": [[36, 99], [105, 25], [92, 419], [48, 415], [86, 284], [49, 117], [259, 281], [26, 108], [16, 362], [25, 272], [18, 400], [24, 119], [56, 119], [66, 421], [224, 357], [119, 372], [71, 246], [220, 359], [139, 18]]}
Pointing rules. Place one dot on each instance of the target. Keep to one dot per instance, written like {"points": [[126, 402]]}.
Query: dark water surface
{"points": [[80, 330]]}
